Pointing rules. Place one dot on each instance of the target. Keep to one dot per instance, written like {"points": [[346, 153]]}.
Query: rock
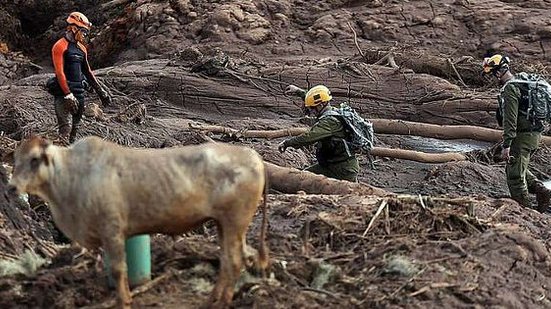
{"points": [[92, 110], [545, 32], [255, 36], [438, 21]]}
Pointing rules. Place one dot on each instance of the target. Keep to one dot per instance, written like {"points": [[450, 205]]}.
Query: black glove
{"points": [[292, 89], [105, 98], [282, 147]]}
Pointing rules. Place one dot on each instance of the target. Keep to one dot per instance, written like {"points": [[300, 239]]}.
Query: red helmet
{"points": [[80, 20]]}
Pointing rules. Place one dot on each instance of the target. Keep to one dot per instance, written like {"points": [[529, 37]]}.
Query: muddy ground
{"points": [[170, 64]]}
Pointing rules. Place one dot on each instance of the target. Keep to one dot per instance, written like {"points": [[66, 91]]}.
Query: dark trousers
{"points": [[347, 170], [68, 129], [519, 177]]}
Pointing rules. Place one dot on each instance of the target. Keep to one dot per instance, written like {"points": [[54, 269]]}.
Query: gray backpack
{"points": [[535, 101], [359, 130]]}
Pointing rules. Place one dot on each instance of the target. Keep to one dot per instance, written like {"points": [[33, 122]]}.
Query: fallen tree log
{"points": [[418, 156], [269, 134], [291, 180], [376, 151], [384, 126]]}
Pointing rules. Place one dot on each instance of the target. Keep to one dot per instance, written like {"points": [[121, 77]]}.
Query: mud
{"points": [[172, 64]]}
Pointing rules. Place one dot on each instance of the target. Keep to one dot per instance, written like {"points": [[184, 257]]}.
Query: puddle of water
{"points": [[427, 144]]}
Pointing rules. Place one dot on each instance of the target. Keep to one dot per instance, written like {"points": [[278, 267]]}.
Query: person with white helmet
{"points": [[73, 75], [334, 156], [521, 131]]}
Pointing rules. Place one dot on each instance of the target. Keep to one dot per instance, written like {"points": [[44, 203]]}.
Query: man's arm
{"points": [[511, 94], [104, 96], [325, 127], [58, 51], [294, 90], [87, 70]]}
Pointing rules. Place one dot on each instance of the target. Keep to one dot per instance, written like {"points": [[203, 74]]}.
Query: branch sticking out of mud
{"points": [[356, 40], [113, 3], [384, 203], [466, 69], [388, 59], [456, 73]]}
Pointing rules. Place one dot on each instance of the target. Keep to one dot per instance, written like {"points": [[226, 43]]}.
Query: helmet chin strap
{"points": [[69, 35], [319, 109], [74, 34], [501, 71]]}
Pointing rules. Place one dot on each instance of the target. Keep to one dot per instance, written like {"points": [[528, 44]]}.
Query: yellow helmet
{"points": [[494, 63], [317, 95]]}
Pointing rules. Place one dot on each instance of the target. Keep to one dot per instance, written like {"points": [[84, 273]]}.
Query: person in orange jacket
{"points": [[74, 75]]}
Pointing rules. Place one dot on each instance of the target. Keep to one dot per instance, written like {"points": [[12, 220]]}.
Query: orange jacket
{"points": [[71, 65]]}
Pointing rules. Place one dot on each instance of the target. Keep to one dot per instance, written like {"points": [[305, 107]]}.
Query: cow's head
{"points": [[31, 163]]}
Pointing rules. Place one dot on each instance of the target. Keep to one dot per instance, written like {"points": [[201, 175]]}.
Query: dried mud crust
{"points": [[127, 30], [321, 256], [409, 257]]}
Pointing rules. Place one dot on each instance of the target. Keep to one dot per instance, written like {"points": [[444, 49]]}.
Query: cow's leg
{"points": [[219, 287], [250, 254], [115, 249], [232, 255]]}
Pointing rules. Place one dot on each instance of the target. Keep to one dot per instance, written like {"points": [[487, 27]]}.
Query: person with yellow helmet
{"points": [[73, 75], [334, 156], [521, 134]]}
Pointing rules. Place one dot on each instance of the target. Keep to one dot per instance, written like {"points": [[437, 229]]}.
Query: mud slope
{"points": [[171, 65]]}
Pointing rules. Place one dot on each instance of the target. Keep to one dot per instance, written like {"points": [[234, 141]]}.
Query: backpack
{"points": [[359, 131], [535, 100]]}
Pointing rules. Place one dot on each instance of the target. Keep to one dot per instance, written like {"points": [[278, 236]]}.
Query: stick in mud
{"points": [[377, 213]]}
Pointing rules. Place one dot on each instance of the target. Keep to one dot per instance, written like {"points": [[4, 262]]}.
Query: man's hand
{"points": [[292, 89], [282, 147], [505, 154], [105, 98], [71, 103]]}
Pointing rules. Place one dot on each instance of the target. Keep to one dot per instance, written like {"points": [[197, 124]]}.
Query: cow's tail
{"points": [[263, 252]]}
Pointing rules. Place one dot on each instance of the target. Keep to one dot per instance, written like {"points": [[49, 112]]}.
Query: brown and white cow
{"points": [[101, 193]]}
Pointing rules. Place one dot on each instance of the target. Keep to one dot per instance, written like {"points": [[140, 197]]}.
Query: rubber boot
{"points": [[543, 195], [524, 201]]}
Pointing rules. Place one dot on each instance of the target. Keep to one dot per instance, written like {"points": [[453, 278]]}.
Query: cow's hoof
{"points": [[125, 304], [216, 305]]}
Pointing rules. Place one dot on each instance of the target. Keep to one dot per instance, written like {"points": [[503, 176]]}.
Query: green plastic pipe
{"points": [[138, 261]]}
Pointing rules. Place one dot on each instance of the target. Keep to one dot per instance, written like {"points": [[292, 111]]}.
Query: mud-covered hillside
{"points": [[188, 72], [134, 30]]}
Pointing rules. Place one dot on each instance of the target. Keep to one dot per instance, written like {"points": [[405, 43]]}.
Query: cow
{"points": [[101, 193]]}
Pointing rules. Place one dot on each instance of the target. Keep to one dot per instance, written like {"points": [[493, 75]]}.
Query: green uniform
{"points": [[522, 136], [335, 159]]}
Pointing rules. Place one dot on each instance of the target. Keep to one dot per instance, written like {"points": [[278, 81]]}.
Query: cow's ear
{"points": [[44, 143], [45, 158], [9, 158]]}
